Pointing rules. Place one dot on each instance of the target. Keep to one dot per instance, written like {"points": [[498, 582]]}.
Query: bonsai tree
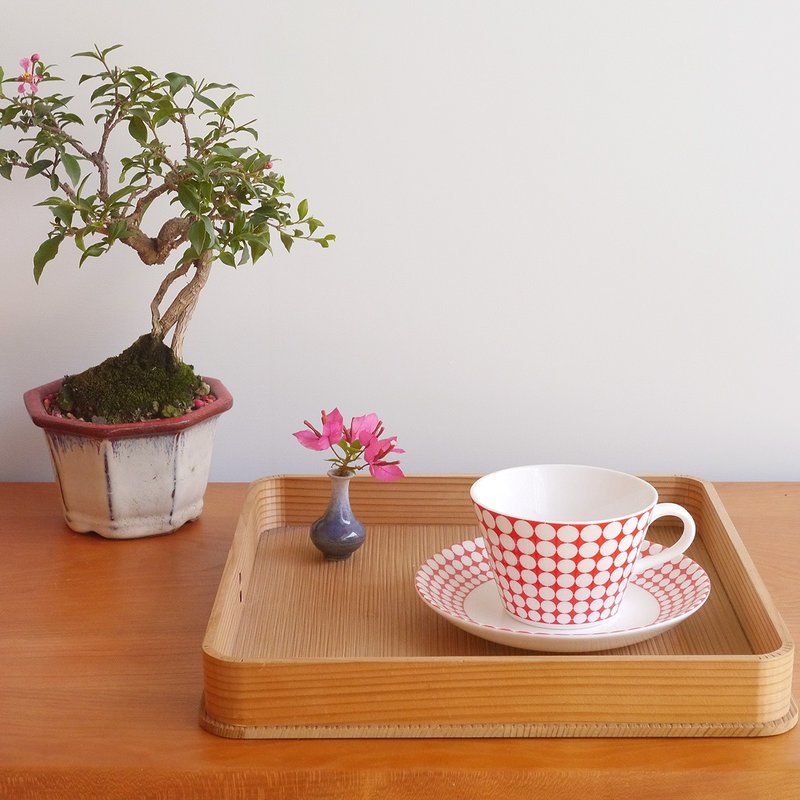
{"points": [[189, 160]]}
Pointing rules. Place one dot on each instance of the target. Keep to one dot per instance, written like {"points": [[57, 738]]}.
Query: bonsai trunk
{"points": [[180, 311], [174, 232]]}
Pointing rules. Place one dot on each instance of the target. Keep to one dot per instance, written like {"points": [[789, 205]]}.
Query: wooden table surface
{"points": [[101, 677]]}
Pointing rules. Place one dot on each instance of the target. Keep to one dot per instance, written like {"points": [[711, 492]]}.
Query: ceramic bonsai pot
{"points": [[135, 479]]}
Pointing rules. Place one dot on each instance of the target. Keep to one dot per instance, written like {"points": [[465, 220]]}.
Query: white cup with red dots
{"points": [[563, 540]]}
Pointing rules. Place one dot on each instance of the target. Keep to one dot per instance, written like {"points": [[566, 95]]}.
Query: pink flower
{"points": [[361, 440], [375, 454], [28, 80], [378, 449], [386, 472], [363, 429], [28, 83], [332, 432]]}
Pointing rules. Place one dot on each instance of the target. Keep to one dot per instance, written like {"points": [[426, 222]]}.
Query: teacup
{"points": [[563, 540]]}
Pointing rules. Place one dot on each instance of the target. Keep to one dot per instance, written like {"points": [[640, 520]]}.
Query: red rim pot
{"points": [[134, 479]]}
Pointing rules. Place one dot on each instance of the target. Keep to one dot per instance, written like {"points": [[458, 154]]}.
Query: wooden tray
{"points": [[300, 647]]}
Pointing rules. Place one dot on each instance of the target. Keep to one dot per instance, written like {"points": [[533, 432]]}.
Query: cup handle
{"points": [[687, 537]]}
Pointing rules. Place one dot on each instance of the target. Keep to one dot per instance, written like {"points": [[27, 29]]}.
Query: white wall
{"points": [[566, 232]]}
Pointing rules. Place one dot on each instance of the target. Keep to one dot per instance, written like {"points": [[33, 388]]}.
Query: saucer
{"points": [[458, 584]]}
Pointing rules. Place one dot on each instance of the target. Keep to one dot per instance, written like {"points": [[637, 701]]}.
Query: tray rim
{"points": [[543, 730], [213, 655]]}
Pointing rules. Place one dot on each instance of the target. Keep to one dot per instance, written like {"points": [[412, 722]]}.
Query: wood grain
{"points": [[101, 671], [298, 646]]}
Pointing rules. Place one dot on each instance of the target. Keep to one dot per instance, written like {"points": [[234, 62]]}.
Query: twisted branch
{"points": [[182, 307], [155, 312], [151, 251]]}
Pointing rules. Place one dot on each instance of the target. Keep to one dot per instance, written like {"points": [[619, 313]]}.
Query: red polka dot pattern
{"points": [[562, 574], [446, 580]]}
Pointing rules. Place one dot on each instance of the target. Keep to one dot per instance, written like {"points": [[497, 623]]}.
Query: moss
{"points": [[146, 381]]}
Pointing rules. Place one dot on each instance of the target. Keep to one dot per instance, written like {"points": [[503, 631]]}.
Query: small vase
{"points": [[338, 534]]}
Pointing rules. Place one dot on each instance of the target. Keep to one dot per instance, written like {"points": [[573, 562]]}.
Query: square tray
{"points": [[300, 647]]}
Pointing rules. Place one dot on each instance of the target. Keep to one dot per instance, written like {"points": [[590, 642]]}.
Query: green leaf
{"points": [[117, 230], [2, 75], [141, 113], [50, 201], [37, 167], [165, 112], [178, 81], [198, 236], [46, 252], [207, 101], [72, 167], [142, 74], [228, 152], [71, 118], [103, 88], [226, 258], [287, 241], [209, 226], [93, 251], [8, 114], [138, 130], [302, 209], [119, 194], [83, 183], [188, 199], [105, 52], [5, 171], [198, 167], [63, 213], [132, 79], [258, 247]]}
